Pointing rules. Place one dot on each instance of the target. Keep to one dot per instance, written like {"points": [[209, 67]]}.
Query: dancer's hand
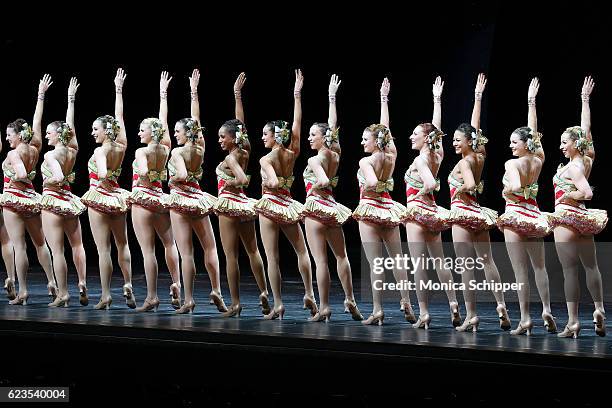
{"points": [[437, 87], [239, 83], [534, 86], [119, 79], [73, 87], [44, 84], [385, 88], [164, 81], [587, 87], [299, 82], [194, 80], [334, 83], [481, 83]]}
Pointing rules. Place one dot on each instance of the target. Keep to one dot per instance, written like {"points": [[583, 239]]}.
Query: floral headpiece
{"points": [[331, 136], [192, 129], [478, 139], [582, 143], [112, 128], [434, 139], [281, 134], [157, 129], [383, 137], [241, 135], [26, 133], [64, 132], [534, 142]]}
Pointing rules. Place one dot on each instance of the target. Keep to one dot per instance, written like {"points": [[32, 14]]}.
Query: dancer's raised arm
{"points": [[532, 118], [585, 114], [44, 84], [436, 120], [119, 80], [294, 145], [385, 88], [72, 89], [164, 81], [194, 81]]}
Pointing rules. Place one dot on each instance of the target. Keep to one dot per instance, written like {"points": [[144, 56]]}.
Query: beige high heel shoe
{"points": [[276, 314], [264, 303], [469, 324], [9, 287], [570, 331], [599, 319], [321, 316], [175, 295], [504, 319], [406, 307], [128, 294], [83, 297], [549, 323], [217, 300], [310, 303], [423, 322], [148, 305], [104, 304], [60, 301], [20, 300], [186, 308], [375, 318], [455, 315], [523, 328], [52, 289], [233, 310], [351, 307]]}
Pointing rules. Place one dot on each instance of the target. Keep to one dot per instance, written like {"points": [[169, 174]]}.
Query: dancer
{"points": [[522, 223], [106, 201], [61, 208], [424, 218], [574, 225], [235, 210], [324, 216], [277, 210], [8, 254], [21, 204], [149, 216], [471, 222], [378, 215], [189, 205]]}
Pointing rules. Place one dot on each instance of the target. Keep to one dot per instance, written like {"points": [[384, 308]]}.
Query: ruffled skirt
{"points": [[525, 219], [472, 216], [326, 210], [152, 199], [379, 210], [431, 216], [61, 202], [107, 201], [195, 203], [280, 207], [585, 221], [235, 204], [25, 202]]}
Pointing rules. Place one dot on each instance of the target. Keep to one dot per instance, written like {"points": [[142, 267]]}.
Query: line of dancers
{"points": [[173, 217]]}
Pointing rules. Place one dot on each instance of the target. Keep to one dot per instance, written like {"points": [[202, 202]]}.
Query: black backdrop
{"points": [[510, 43]]}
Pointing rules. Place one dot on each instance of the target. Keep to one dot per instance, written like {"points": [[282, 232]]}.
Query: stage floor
{"points": [[342, 343]]}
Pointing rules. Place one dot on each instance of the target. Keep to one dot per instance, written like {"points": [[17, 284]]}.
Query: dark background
{"points": [[510, 42]]}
